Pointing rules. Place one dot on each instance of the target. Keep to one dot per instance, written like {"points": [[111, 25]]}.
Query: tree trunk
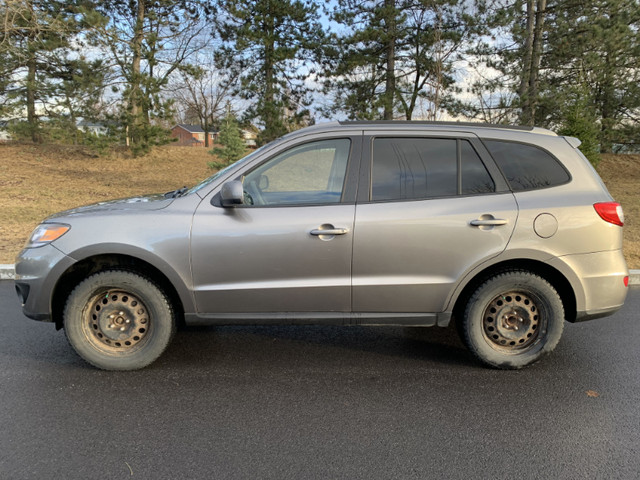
{"points": [[269, 96], [438, 67], [269, 112], [607, 94], [31, 86], [135, 100], [390, 84], [32, 119], [536, 59], [523, 89], [206, 127]]}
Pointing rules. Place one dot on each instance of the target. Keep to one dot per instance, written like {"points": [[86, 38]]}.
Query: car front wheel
{"points": [[118, 320], [513, 319]]}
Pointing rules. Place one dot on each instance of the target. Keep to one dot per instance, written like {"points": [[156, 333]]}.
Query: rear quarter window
{"points": [[527, 167]]}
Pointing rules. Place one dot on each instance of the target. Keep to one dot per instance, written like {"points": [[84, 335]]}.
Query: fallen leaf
{"points": [[592, 393]]}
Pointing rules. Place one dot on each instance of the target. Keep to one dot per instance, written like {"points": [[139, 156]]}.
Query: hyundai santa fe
{"points": [[507, 231]]}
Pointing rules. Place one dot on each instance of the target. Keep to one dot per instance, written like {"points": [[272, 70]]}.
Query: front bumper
{"points": [[37, 273]]}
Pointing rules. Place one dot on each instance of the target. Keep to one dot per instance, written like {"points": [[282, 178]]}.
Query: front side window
{"points": [[420, 168], [312, 173]]}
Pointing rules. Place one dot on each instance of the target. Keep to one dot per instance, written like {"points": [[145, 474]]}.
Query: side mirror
{"points": [[232, 193]]}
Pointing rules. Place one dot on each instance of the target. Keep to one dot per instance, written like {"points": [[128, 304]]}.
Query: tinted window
{"points": [[406, 168], [307, 174], [527, 167], [415, 168], [475, 178]]}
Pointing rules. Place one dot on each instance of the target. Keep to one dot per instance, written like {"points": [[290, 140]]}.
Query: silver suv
{"points": [[506, 230]]}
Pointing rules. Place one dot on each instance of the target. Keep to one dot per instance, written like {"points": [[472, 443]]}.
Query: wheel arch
{"points": [[105, 261], [556, 278]]}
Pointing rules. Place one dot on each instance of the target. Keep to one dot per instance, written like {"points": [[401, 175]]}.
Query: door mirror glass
{"points": [[232, 193]]}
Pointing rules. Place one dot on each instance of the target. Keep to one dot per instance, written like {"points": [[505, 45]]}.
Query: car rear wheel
{"points": [[118, 320], [513, 319]]}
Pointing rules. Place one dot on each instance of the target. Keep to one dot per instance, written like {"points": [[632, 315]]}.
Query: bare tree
{"points": [[148, 42], [202, 92]]}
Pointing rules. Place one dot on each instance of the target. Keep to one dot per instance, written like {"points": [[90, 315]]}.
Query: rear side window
{"points": [[475, 178], [420, 168], [527, 167]]}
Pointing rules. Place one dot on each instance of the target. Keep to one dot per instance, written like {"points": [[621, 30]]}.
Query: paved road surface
{"points": [[320, 402]]}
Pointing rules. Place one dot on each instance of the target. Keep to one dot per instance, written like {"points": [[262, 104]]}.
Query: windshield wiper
{"points": [[176, 193]]}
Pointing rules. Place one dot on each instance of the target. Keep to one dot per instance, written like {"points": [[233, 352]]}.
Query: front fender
{"points": [[177, 273]]}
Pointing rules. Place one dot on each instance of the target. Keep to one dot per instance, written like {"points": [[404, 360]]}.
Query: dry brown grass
{"points": [[37, 180]]}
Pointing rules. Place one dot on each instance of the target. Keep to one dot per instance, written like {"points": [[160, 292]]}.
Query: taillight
{"points": [[610, 212]]}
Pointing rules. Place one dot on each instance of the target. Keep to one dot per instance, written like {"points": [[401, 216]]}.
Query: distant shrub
{"points": [[231, 139]]}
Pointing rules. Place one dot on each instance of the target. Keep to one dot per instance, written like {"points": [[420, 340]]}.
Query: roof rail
{"points": [[523, 128]]}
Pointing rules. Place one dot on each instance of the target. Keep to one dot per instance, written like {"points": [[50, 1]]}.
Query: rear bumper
{"points": [[593, 314], [597, 280]]}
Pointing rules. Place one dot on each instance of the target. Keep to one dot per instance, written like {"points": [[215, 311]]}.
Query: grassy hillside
{"points": [[37, 180]]}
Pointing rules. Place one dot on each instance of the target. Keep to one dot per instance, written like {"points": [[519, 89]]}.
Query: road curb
{"points": [[8, 272]]}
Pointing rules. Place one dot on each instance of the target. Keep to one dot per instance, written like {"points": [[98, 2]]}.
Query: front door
{"points": [[288, 248]]}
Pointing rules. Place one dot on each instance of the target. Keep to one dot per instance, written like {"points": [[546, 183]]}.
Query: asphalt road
{"points": [[320, 402]]}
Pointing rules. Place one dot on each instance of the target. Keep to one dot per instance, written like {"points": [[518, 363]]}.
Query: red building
{"points": [[192, 135]]}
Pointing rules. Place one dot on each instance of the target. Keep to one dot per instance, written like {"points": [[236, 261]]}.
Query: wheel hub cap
{"points": [[511, 321], [117, 319]]}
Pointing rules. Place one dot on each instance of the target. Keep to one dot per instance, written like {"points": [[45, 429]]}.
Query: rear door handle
{"points": [[329, 231], [488, 223]]}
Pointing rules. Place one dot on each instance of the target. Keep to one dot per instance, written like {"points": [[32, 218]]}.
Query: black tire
{"points": [[513, 319], [118, 320]]}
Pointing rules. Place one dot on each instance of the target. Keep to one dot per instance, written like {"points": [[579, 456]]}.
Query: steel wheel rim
{"points": [[513, 322], [116, 321]]}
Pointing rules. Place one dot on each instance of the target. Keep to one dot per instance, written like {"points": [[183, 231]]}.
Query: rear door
{"points": [[435, 207]]}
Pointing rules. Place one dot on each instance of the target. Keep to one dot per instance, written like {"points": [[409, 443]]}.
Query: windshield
{"points": [[222, 172]]}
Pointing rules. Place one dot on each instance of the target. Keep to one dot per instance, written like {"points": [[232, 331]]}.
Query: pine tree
{"points": [[580, 121], [267, 45], [42, 70], [396, 54], [231, 139], [513, 51], [561, 63], [597, 44], [361, 67]]}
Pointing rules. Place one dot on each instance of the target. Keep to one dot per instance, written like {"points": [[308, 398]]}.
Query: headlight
{"points": [[46, 233]]}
